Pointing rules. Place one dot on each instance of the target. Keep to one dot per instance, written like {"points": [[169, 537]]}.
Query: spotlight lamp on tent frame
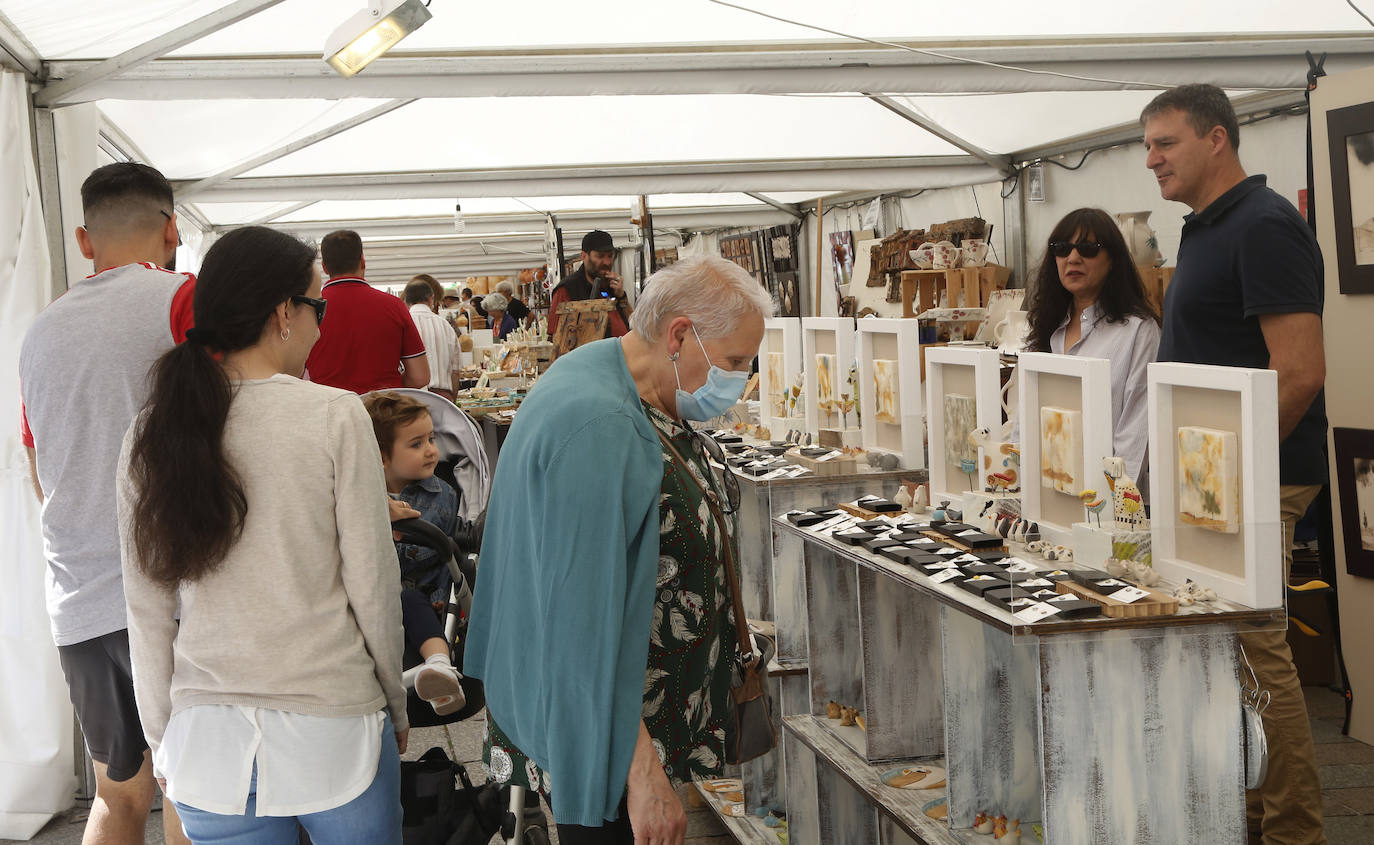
{"points": [[371, 32]]}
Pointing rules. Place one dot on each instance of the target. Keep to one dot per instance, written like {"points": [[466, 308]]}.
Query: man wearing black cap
{"points": [[592, 280]]}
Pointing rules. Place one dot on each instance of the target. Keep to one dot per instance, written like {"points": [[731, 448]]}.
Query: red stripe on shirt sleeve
{"points": [[183, 313], [25, 433]]}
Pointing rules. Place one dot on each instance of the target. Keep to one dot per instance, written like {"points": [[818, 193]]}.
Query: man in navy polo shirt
{"points": [[371, 342], [1248, 292]]}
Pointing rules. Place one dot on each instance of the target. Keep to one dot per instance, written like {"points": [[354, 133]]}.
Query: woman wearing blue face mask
{"points": [[601, 625]]}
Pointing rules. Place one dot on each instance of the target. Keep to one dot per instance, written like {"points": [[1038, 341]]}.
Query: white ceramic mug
{"points": [[923, 256], [975, 252]]}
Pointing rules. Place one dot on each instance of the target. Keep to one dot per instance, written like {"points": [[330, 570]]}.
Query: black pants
{"points": [[418, 618], [617, 832]]}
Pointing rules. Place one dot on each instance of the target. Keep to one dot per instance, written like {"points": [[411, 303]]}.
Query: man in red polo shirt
{"points": [[370, 342]]}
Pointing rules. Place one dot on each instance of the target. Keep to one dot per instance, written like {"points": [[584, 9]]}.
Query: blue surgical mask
{"points": [[722, 389]]}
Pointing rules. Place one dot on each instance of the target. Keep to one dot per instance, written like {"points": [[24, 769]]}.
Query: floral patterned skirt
{"points": [[508, 764]]}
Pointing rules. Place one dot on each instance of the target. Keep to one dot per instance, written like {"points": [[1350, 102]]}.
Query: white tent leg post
{"points": [[51, 192]]}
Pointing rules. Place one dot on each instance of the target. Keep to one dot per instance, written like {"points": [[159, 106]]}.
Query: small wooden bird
{"points": [[1093, 504]]}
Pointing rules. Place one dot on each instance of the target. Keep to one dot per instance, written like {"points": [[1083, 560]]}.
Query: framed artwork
{"points": [[828, 351], [1350, 142], [956, 375], [1354, 459], [1213, 436], [890, 396], [780, 361], [1065, 412]]}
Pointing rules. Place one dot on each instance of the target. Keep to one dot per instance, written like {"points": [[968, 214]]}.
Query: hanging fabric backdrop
{"points": [[36, 779]]}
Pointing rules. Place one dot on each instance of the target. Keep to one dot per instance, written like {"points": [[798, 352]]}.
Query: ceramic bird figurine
{"points": [[982, 823], [1128, 506], [1093, 504], [920, 500], [1009, 833]]}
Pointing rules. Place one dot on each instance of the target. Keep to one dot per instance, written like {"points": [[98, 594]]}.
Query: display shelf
{"points": [[902, 806], [1108, 731], [1214, 613], [747, 830]]}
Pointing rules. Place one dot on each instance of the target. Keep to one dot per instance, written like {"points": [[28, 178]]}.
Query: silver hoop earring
{"points": [[286, 334], [673, 357]]}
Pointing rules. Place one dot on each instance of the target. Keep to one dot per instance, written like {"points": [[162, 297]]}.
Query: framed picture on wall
{"points": [[1354, 461], [1350, 141]]}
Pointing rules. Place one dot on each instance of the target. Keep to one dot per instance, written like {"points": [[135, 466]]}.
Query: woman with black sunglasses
{"points": [[260, 576], [1088, 299]]}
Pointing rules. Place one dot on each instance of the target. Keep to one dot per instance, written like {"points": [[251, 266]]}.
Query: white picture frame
{"points": [[899, 340], [1245, 567], [1048, 380], [781, 335], [831, 336], [961, 370]]}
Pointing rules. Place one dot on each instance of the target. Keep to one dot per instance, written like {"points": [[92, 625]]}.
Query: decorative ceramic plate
{"points": [[915, 777], [937, 809]]}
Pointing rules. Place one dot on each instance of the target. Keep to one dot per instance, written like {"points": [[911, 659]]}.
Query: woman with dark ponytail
{"points": [[254, 503]]}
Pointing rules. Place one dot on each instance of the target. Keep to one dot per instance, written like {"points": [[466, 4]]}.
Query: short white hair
{"points": [[715, 294], [506, 286], [494, 302]]}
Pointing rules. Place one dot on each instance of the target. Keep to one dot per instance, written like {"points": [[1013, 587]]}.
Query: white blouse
{"points": [[305, 764], [1131, 346]]}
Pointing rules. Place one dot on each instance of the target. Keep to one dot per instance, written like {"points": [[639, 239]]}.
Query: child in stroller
{"points": [[405, 435]]}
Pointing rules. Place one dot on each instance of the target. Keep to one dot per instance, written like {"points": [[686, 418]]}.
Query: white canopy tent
{"points": [[725, 118]]}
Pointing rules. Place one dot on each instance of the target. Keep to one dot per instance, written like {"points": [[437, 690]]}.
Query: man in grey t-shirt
{"points": [[83, 367]]}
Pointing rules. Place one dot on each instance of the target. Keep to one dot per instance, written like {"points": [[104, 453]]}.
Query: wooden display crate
{"points": [[967, 287], [1156, 281], [1158, 604]]}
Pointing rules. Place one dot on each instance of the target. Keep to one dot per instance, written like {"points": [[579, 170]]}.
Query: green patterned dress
{"points": [[687, 682]]}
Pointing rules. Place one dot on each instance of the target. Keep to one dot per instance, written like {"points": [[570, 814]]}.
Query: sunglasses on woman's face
{"points": [[1087, 249], [317, 304]]}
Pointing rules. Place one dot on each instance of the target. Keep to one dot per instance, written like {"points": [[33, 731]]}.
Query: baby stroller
{"points": [[462, 464]]}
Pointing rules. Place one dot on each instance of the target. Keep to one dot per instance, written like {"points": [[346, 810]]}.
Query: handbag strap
{"points": [[741, 626]]}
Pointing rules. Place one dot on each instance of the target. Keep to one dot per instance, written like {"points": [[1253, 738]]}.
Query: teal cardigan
{"points": [[561, 615]]}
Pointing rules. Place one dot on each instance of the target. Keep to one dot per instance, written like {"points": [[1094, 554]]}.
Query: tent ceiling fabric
{"points": [[687, 101]]}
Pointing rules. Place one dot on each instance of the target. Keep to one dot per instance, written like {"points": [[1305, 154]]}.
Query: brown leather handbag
{"points": [[753, 734]]}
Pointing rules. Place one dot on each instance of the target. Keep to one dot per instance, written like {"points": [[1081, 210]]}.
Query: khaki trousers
{"points": [[1287, 808]]}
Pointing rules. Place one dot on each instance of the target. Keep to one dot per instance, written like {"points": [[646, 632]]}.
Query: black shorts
{"points": [[101, 684]]}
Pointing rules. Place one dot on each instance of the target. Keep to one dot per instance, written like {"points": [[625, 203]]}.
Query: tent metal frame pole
{"points": [[1000, 163], [291, 209], [57, 93], [786, 208], [199, 187], [16, 52], [50, 187], [796, 68]]}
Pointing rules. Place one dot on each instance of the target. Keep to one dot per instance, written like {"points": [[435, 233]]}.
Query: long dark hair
{"points": [[190, 505], [1123, 293]]}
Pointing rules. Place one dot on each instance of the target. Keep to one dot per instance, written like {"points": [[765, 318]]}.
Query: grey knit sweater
{"points": [[304, 613]]}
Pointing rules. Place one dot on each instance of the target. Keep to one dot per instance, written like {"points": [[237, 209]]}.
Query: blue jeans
{"points": [[373, 817]]}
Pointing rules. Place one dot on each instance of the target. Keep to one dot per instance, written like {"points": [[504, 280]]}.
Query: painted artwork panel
{"points": [[885, 396], [777, 383], [825, 377], [1061, 449], [1208, 479], [961, 417], [1364, 499]]}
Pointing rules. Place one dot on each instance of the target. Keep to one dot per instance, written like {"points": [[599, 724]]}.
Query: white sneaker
{"points": [[437, 683]]}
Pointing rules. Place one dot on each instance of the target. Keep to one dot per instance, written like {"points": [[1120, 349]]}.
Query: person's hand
{"points": [[398, 509], [657, 816], [401, 738], [616, 285]]}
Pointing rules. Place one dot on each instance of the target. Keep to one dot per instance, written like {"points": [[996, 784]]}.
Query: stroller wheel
{"points": [[535, 836]]}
